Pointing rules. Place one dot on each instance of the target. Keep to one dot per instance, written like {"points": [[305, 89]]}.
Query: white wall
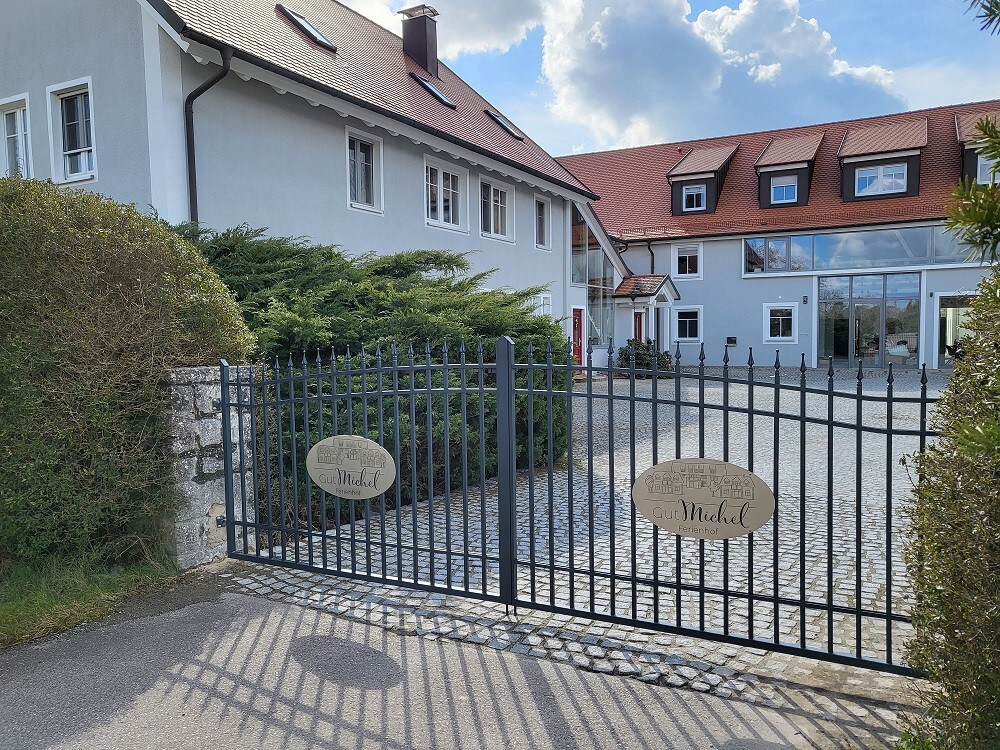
{"points": [[49, 42]]}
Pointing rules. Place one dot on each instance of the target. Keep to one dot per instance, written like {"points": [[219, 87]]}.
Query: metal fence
{"points": [[515, 470]]}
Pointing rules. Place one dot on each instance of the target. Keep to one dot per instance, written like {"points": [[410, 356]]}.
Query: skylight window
{"points": [[307, 28], [435, 91], [504, 123]]}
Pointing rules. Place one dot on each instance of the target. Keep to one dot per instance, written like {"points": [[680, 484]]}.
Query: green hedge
{"points": [[954, 549], [99, 303]]}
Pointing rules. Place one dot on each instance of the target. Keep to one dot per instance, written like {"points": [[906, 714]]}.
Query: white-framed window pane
{"points": [[694, 198], [486, 209], [894, 178], [450, 199], [866, 181], [688, 324], [77, 135], [541, 224], [781, 323], [16, 142], [784, 189], [362, 154], [986, 171], [687, 261], [432, 193], [777, 254]]}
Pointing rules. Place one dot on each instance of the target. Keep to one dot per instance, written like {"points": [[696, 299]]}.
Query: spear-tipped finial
{"points": [[725, 357], [802, 367], [319, 358], [750, 359], [701, 354], [777, 359], [410, 343], [461, 346], [861, 371], [890, 379], [923, 375], [829, 372], [444, 347], [395, 354]]}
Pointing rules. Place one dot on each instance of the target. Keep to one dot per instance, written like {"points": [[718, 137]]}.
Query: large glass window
{"points": [[593, 267], [495, 211], [871, 248], [444, 197], [872, 320]]}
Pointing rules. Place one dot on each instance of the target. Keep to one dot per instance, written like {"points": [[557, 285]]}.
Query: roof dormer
{"points": [[696, 180], [882, 161], [784, 171], [974, 166]]}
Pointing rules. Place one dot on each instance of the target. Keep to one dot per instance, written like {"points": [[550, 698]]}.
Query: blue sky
{"points": [[581, 75]]}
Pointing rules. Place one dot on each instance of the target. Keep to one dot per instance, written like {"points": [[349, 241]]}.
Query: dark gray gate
{"points": [[514, 478]]}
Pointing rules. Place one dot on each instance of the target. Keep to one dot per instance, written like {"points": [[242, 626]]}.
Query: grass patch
{"points": [[55, 595]]}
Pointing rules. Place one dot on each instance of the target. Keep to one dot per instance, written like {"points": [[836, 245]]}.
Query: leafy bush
{"points": [[297, 296], [954, 548], [99, 303], [645, 351]]}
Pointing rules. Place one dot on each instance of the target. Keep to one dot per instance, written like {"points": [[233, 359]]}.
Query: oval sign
{"points": [[353, 468], [702, 498]]}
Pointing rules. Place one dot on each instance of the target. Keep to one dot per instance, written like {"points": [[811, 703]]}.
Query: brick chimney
{"points": [[420, 36]]}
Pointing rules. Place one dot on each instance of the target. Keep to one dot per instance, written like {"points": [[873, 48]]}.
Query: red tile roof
{"points": [[790, 150], [640, 285], [635, 195], [369, 68], [965, 124], [884, 138], [701, 160]]}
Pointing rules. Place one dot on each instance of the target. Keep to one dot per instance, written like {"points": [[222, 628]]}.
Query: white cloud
{"points": [[936, 83], [631, 72]]}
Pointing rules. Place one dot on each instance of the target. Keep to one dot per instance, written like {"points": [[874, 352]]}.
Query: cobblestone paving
{"points": [[818, 561]]}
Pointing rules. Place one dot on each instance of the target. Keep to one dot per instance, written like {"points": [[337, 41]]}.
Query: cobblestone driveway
{"points": [[582, 549]]}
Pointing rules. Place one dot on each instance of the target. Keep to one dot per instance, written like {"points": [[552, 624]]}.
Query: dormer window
{"points": [[880, 180], [785, 189], [695, 197], [306, 27], [882, 161], [696, 179]]}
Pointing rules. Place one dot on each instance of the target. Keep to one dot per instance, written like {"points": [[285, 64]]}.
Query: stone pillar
{"points": [[199, 468]]}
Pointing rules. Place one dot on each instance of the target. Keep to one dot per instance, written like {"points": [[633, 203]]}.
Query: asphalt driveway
{"points": [[202, 668]]}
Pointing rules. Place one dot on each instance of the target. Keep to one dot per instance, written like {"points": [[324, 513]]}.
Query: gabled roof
{"points": [[781, 151], [702, 160], [635, 196], [884, 138], [641, 285], [369, 69], [965, 125]]}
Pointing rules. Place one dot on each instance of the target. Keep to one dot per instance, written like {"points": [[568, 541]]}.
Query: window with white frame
{"points": [[445, 189], [785, 189], [72, 123], [884, 179], [695, 197], [364, 171], [687, 324], [496, 211], [781, 322], [17, 159], [987, 172], [543, 229], [687, 264], [543, 304]]}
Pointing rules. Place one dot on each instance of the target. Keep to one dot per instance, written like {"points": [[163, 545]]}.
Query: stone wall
{"points": [[196, 442]]}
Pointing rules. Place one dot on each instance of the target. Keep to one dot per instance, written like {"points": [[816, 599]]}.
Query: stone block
{"points": [[208, 433]]}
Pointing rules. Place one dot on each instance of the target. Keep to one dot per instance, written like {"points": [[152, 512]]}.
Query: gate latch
{"points": [[220, 522], [217, 404]]}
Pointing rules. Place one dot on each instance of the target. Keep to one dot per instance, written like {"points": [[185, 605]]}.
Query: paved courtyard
{"points": [[581, 536]]}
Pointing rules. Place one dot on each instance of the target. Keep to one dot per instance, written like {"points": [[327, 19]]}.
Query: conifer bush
{"points": [[99, 303]]}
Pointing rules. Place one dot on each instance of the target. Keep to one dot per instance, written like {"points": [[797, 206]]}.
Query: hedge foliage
{"points": [[99, 303], [954, 549]]}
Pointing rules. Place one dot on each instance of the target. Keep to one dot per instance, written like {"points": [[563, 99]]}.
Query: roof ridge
{"points": [[846, 121]]}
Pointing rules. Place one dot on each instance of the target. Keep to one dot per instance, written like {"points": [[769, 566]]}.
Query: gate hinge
{"points": [[217, 404], [220, 522]]}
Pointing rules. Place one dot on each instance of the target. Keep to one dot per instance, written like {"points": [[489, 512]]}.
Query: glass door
{"points": [[953, 322], [867, 332]]}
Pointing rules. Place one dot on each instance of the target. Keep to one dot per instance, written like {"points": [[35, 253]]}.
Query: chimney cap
{"points": [[419, 10]]}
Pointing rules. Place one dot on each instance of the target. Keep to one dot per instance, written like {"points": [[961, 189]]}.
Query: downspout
{"points": [[192, 165], [652, 257]]}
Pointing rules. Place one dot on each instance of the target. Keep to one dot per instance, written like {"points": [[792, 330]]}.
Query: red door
{"points": [[638, 333], [578, 335]]}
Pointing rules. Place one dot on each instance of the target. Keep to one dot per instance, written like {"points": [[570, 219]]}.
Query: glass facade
{"points": [[591, 266], [953, 328], [873, 248], [870, 320]]}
